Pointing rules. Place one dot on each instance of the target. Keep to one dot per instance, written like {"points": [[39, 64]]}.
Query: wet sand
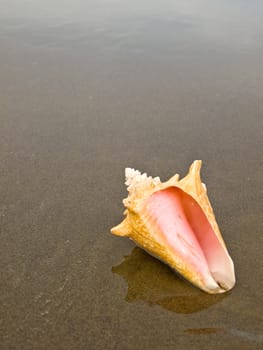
{"points": [[87, 90]]}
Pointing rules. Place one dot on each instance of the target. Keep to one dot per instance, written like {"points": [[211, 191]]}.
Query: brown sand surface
{"points": [[88, 88]]}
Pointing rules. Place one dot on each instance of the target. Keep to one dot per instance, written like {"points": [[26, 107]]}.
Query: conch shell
{"points": [[174, 222]]}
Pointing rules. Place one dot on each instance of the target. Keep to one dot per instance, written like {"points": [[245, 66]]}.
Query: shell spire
{"points": [[174, 221]]}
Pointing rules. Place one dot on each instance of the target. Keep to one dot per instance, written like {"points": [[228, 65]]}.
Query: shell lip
{"points": [[207, 254]]}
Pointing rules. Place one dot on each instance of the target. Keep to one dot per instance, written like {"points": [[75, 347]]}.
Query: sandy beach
{"points": [[87, 89]]}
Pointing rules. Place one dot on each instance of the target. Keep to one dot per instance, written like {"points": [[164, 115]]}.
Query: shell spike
{"points": [[123, 229]]}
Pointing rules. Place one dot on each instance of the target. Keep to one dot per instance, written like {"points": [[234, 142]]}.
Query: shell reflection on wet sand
{"points": [[174, 221], [155, 283]]}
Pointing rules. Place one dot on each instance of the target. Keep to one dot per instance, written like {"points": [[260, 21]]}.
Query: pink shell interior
{"points": [[184, 226]]}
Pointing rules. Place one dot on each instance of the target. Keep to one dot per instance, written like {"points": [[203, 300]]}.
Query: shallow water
{"points": [[88, 88]]}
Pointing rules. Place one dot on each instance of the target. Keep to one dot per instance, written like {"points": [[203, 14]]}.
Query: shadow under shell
{"points": [[153, 282]]}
